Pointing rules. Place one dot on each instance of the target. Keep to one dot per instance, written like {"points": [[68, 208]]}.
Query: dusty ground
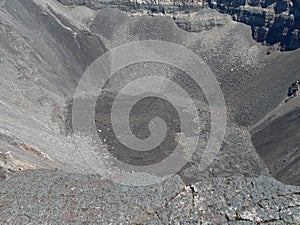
{"points": [[40, 73]]}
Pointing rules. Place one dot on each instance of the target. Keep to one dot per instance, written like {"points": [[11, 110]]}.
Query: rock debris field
{"points": [[46, 176]]}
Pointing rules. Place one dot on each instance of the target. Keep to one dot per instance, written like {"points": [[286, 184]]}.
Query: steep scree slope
{"points": [[45, 47]]}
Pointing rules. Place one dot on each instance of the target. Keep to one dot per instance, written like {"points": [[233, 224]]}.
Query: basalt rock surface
{"points": [[51, 197]]}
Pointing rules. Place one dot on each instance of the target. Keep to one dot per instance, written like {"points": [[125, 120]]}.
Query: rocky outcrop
{"points": [[271, 21], [9, 164], [55, 197], [199, 21]]}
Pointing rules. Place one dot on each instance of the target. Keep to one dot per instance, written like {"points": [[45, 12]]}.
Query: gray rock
{"points": [[55, 49], [271, 21], [52, 197]]}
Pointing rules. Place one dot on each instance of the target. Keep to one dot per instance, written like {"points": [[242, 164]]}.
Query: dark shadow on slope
{"points": [[278, 143]]}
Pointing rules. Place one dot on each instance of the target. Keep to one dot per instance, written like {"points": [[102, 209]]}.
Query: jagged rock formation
{"points": [[271, 21], [208, 19]]}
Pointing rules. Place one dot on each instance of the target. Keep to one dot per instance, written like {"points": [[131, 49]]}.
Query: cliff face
{"points": [[271, 21]]}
